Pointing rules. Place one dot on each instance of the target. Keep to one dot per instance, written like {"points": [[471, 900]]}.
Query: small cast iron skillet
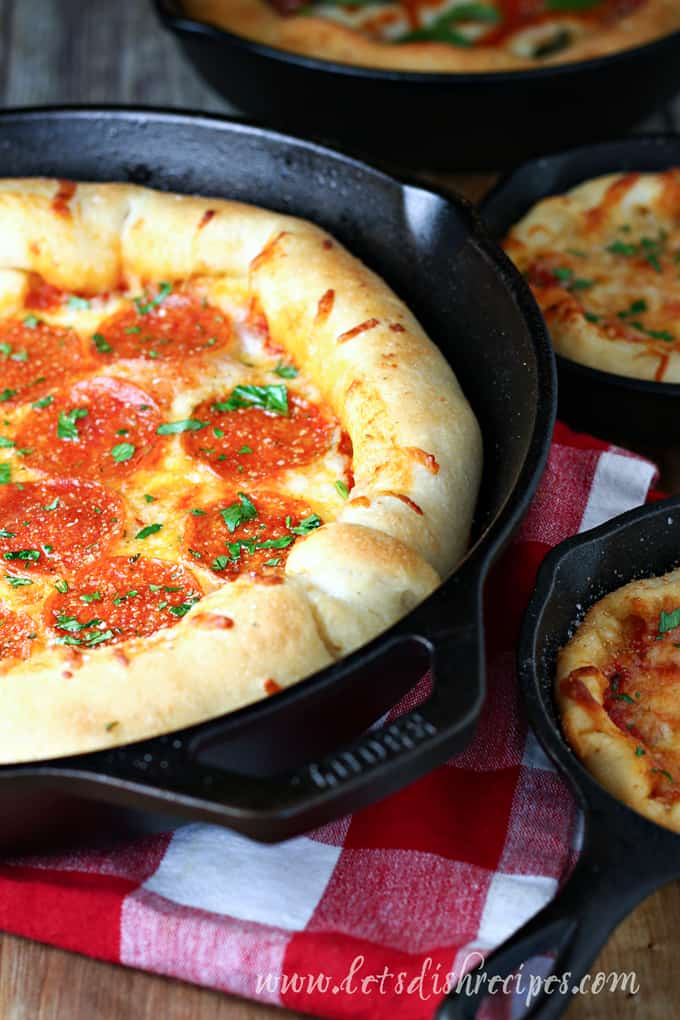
{"points": [[297, 759], [630, 410], [625, 857], [460, 121]]}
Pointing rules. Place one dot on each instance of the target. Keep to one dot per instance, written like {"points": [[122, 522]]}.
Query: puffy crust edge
{"points": [[323, 39], [417, 464], [605, 750]]}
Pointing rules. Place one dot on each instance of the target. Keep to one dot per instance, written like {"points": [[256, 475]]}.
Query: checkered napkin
{"points": [[364, 917]]}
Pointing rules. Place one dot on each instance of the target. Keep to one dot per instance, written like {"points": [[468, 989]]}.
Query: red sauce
{"points": [[325, 306], [276, 441], [42, 295], [17, 632], [128, 599], [35, 357], [64, 194], [56, 525], [99, 428], [180, 326], [271, 686], [206, 218], [210, 537]]}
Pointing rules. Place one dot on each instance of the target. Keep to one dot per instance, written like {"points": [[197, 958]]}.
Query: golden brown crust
{"points": [[618, 691], [327, 40], [417, 462], [602, 263]]}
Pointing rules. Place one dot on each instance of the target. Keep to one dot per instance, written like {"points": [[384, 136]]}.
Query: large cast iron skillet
{"points": [[624, 857], [629, 410], [461, 121], [295, 760]]}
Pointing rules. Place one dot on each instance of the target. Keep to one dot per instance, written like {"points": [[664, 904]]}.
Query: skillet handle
{"points": [[191, 773], [375, 764], [572, 929]]}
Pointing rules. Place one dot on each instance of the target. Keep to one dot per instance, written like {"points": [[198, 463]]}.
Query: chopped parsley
{"points": [[6, 395], [198, 513], [566, 276], [4, 533], [342, 488], [665, 773], [286, 371], [639, 751], [244, 450], [123, 452], [43, 402], [150, 529], [144, 307], [31, 321], [184, 607], [238, 513], [53, 505], [101, 343], [173, 428], [30, 555], [148, 498], [5, 474], [61, 586], [668, 621], [66, 427], [268, 398], [17, 582], [95, 596], [6, 444], [305, 526], [220, 563], [78, 304]]}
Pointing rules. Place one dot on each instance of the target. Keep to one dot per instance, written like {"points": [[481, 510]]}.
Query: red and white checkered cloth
{"points": [[411, 886]]}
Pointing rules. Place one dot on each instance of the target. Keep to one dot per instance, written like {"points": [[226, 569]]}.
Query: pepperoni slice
{"points": [[121, 598], [248, 534], [56, 525], [99, 428], [179, 326], [17, 632], [250, 443], [35, 358]]}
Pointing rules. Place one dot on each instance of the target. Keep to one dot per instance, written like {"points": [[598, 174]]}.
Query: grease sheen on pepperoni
{"points": [[99, 428], [121, 598], [181, 325], [258, 545], [35, 358], [17, 631], [250, 443], [54, 526]]}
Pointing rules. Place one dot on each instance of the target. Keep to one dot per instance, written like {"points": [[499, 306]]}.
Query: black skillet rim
{"points": [[489, 544], [183, 23], [649, 387], [582, 783]]}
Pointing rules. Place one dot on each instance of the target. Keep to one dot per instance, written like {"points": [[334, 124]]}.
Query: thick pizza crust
{"points": [[608, 752], [326, 40], [586, 221], [417, 463]]}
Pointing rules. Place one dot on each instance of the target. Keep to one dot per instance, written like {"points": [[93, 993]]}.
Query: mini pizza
{"points": [[444, 35], [603, 262], [229, 455], [618, 690]]}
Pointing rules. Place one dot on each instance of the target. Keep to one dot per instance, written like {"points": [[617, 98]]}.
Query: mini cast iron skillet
{"points": [[460, 121], [631, 410], [624, 857], [296, 759]]}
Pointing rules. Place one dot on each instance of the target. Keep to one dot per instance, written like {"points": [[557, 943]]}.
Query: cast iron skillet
{"points": [[633, 410], [624, 857], [461, 121], [295, 760]]}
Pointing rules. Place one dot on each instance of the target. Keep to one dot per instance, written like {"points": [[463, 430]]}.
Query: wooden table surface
{"points": [[100, 51]]}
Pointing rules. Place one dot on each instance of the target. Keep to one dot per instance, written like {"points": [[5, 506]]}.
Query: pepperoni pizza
{"points": [[229, 455]]}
